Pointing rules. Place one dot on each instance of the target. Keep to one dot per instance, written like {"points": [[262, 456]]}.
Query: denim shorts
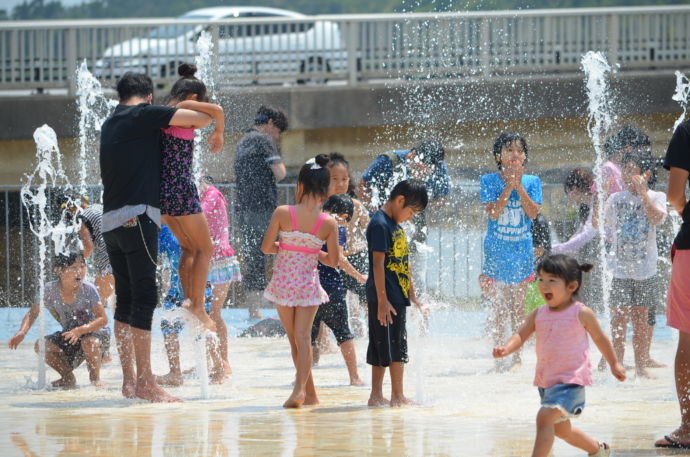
{"points": [[569, 398]]}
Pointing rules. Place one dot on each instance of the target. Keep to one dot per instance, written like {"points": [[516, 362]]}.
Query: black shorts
{"points": [[360, 261], [334, 315], [387, 344], [74, 355]]}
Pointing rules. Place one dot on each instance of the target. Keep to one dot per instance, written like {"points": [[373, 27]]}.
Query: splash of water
{"points": [[204, 64], [49, 173], [93, 108], [681, 95], [599, 122]]}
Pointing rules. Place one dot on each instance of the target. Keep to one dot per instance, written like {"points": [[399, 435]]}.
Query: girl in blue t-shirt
{"points": [[511, 199]]}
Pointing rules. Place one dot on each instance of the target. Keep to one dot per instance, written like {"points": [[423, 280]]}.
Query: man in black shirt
{"points": [[130, 158], [258, 166]]}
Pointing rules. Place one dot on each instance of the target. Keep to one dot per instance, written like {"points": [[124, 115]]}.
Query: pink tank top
{"points": [[314, 231], [562, 348], [180, 132]]}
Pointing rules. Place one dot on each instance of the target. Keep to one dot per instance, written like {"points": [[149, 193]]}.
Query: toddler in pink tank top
{"points": [[563, 368]]}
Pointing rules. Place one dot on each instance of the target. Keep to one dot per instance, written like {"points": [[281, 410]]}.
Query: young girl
{"points": [[75, 304], [512, 200], [301, 231], [225, 268], [179, 197], [356, 245], [563, 366]]}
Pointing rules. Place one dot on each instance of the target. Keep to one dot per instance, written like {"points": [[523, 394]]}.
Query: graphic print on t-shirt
{"points": [[511, 224], [398, 260], [632, 231]]}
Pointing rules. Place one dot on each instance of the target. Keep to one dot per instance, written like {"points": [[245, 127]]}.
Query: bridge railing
{"points": [[353, 48]]}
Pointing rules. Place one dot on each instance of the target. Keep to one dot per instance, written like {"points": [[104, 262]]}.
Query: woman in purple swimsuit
{"points": [[180, 202]]}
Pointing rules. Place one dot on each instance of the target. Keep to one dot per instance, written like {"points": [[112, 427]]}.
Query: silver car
{"points": [[252, 44]]}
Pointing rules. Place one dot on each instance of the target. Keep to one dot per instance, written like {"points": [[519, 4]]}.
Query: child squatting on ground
{"points": [[296, 234], [563, 365], [390, 289], [76, 306]]}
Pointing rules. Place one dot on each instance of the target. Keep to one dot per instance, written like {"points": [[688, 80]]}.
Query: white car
{"points": [[261, 51]]}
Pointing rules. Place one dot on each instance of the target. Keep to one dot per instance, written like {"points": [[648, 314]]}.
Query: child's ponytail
{"points": [[314, 176], [585, 267], [188, 84]]}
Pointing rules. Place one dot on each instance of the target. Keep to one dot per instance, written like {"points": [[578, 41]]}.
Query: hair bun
{"points": [[321, 160], [186, 70], [586, 267]]}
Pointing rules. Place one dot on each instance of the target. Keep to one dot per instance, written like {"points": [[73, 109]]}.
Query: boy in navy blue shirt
{"points": [[334, 313], [390, 289]]}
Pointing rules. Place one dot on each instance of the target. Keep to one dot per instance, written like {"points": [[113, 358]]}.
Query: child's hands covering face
{"points": [[639, 183]]}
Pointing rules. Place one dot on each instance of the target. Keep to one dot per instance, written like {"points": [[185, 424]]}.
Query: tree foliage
{"points": [[53, 9]]}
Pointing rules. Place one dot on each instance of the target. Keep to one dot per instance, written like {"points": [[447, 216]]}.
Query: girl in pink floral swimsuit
{"points": [[301, 230], [180, 203]]}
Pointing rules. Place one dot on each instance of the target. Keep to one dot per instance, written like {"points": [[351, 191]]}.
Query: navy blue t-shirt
{"points": [[678, 156], [385, 235], [331, 280]]}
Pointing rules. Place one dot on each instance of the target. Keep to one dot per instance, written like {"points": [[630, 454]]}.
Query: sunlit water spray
{"points": [[49, 174], [93, 108], [681, 96], [204, 63], [599, 122]]}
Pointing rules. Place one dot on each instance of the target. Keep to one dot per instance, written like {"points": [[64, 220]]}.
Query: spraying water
{"points": [[204, 65], [681, 96], [93, 108], [49, 173]]}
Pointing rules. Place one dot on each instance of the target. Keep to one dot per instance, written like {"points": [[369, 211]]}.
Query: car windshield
{"points": [[173, 30]]}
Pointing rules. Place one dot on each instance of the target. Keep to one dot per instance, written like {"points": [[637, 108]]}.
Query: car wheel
{"points": [[314, 65]]}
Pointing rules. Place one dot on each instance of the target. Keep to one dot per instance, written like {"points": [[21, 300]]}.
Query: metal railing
{"points": [[455, 234], [352, 48]]}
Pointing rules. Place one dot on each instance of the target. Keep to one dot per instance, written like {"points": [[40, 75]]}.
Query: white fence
{"points": [[354, 48]]}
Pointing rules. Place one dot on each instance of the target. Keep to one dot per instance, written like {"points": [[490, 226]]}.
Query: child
{"points": [[170, 248], [512, 200], [334, 313], [224, 269], [295, 286], [630, 219], [75, 304], [390, 289], [179, 197], [563, 366], [356, 243]]}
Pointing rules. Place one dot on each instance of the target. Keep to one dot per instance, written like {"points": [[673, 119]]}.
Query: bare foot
{"points": [[170, 380], [680, 436], [66, 382], [129, 389], [651, 363], [378, 400], [153, 393], [643, 373], [397, 401], [97, 383], [311, 400], [356, 382], [294, 401], [515, 367], [227, 369], [200, 313]]}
